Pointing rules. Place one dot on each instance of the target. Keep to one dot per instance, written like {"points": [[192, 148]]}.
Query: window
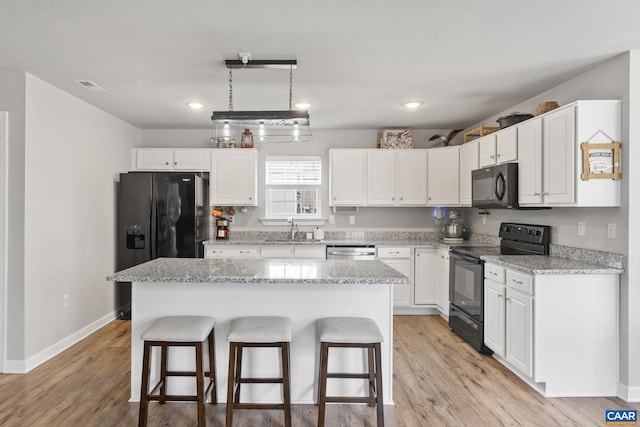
{"points": [[292, 186]]}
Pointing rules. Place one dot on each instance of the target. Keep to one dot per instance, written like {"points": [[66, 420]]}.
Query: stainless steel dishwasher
{"points": [[351, 252]]}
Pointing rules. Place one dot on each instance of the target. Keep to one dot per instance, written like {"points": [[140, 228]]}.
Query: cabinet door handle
{"points": [[166, 163], [393, 198], [250, 197], [492, 157], [519, 282], [401, 198], [536, 194], [499, 295], [493, 273], [175, 163]]}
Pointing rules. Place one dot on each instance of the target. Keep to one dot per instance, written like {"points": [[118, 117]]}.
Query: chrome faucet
{"points": [[293, 227]]}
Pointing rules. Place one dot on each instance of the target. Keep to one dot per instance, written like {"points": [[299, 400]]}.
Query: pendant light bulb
{"points": [[226, 130], [296, 131], [262, 132]]}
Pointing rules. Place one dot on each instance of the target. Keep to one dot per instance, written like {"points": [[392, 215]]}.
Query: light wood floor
{"points": [[438, 381]]}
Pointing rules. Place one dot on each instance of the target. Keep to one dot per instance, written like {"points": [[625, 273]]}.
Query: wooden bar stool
{"points": [[179, 331], [351, 332], [258, 331]]}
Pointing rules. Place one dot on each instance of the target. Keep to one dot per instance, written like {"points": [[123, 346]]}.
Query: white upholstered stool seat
{"points": [[180, 329], [359, 330], [258, 331], [350, 332]]}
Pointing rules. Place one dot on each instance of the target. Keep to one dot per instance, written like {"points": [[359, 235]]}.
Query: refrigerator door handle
{"points": [[154, 227]]}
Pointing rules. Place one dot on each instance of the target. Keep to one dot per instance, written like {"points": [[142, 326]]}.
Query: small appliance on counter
{"points": [[453, 232], [222, 232]]}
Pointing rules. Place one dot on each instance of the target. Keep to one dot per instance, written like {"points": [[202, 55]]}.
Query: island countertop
{"points": [[198, 270]]}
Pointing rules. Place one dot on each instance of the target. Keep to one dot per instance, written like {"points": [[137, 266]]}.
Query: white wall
{"points": [[72, 155], [630, 290], [12, 89]]}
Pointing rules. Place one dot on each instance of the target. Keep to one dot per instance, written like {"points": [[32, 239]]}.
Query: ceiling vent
{"points": [[90, 86]]}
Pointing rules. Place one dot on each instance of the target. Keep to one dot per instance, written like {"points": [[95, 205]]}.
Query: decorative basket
{"points": [[544, 107]]}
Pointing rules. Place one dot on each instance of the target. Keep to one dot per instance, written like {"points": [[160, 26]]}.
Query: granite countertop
{"points": [[353, 242], [199, 270], [544, 264]]}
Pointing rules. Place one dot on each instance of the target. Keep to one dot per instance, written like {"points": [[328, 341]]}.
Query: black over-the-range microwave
{"points": [[495, 187]]}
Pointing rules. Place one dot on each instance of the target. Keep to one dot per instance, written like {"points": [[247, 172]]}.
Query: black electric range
{"points": [[466, 276]]}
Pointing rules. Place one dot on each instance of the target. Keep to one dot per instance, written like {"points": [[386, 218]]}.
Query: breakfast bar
{"points": [[303, 290]]}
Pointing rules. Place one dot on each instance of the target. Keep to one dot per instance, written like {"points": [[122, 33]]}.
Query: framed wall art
{"points": [[396, 138]]}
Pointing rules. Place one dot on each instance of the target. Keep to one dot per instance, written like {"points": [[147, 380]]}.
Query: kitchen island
{"points": [[304, 290]]}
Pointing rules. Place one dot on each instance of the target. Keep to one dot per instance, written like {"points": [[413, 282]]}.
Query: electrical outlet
{"points": [[352, 219], [611, 230], [65, 301], [582, 228], [332, 219]]}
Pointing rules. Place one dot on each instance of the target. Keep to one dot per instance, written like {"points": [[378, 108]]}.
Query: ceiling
{"points": [[358, 60]]}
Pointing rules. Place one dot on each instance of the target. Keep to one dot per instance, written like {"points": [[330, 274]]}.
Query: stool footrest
{"points": [[342, 399], [259, 380], [345, 375], [174, 398], [258, 406]]}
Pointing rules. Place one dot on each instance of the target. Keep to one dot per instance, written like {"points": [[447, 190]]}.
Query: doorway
{"points": [[4, 135]]}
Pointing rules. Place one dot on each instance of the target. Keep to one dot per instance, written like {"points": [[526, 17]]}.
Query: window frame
{"points": [[268, 213]]}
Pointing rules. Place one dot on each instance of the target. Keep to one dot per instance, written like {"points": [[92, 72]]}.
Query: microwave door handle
{"points": [[500, 186]]}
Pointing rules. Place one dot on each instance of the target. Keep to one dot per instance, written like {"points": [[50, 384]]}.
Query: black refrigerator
{"points": [[159, 214]]}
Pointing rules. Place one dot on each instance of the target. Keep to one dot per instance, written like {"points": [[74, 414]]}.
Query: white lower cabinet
{"points": [[494, 318], [231, 252], [442, 280], [431, 281], [557, 331], [425, 276], [508, 316], [519, 332], [398, 258], [293, 251]]}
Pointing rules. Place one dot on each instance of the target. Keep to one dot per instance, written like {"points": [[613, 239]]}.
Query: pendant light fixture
{"points": [[270, 126]]}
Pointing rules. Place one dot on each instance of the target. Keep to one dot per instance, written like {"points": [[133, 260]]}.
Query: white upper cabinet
{"points": [[347, 177], [381, 177], [550, 161], [530, 163], [468, 162], [443, 176], [499, 147], [396, 177], [558, 172], [411, 177], [233, 178], [507, 145], [171, 159], [487, 150], [191, 159]]}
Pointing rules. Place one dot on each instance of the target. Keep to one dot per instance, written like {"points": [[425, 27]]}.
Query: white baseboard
{"points": [[24, 366], [629, 394]]}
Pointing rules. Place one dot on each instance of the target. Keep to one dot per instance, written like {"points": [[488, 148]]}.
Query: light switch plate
{"points": [[611, 230], [352, 219]]}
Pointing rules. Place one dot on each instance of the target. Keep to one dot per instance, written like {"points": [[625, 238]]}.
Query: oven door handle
{"points": [[466, 258]]}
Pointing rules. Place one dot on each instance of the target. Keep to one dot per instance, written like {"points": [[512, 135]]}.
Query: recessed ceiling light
{"points": [[302, 105], [412, 105], [195, 105]]}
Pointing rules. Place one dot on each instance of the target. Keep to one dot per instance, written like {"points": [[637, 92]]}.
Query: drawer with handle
{"points": [[212, 252], [494, 272], [393, 252], [520, 281]]}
